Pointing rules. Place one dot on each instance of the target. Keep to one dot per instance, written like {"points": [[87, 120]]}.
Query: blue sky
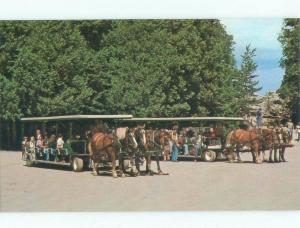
{"points": [[261, 34]]}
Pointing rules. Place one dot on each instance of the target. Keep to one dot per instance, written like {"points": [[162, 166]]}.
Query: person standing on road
{"points": [[290, 127], [46, 147], [174, 146], [259, 116], [185, 144], [298, 131], [198, 146]]}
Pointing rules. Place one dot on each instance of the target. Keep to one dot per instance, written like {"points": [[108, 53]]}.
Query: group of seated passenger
{"points": [[44, 147], [186, 141]]}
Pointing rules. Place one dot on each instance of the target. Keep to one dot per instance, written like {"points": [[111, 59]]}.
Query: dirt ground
{"points": [[190, 186]]}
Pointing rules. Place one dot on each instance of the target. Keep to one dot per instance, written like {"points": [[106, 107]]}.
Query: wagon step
{"points": [[53, 162]]}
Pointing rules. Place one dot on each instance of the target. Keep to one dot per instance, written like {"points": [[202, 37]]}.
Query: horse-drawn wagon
{"points": [[213, 131], [74, 150]]}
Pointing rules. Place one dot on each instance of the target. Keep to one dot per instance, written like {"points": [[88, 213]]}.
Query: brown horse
{"points": [[239, 138], [128, 143], [101, 148], [267, 141], [149, 141], [281, 140]]}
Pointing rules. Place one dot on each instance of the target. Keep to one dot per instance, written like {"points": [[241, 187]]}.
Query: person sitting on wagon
{"points": [[24, 147], [212, 133], [60, 145], [39, 145], [32, 144], [46, 146], [185, 144], [52, 146]]}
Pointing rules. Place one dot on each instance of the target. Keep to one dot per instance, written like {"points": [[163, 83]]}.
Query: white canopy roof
{"points": [[187, 119], [76, 117]]}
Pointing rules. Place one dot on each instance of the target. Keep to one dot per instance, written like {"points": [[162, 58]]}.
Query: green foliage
{"points": [[290, 62], [168, 68], [9, 101], [247, 80], [139, 67], [53, 69], [247, 71]]}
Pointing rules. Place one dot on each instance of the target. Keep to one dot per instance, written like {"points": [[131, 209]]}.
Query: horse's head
{"points": [[131, 141], [88, 134], [140, 134]]}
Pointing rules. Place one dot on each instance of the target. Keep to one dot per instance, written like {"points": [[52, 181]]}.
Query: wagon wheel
{"points": [[77, 164], [209, 156]]}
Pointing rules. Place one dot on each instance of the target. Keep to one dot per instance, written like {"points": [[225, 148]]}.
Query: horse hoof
{"points": [[271, 161], [133, 174], [94, 173]]}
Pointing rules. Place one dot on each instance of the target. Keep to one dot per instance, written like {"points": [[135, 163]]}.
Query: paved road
{"points": [[190, 186]]}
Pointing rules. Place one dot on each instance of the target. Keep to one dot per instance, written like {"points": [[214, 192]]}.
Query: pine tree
{"points": [[248, 82], [168, 67], [290, 62]]}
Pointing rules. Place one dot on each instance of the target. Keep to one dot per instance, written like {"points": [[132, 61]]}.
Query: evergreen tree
{"points": [[248, 82], [9, 100], [168, 67], [53, 70], [290, 62]]}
